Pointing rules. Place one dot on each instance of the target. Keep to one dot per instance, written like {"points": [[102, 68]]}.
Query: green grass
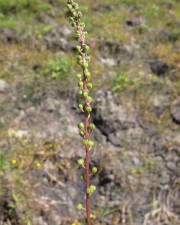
{"points": [[58, 68], [16, 6], [121, 82]]}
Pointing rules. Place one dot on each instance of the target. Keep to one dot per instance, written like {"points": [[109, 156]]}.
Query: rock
{"points": [[115, 51], [3, 86], [135, 22], [57, 39], [114, 120], [108, 61], [159, 68], [106, 177], [175, 111], [120, 138], [160, 104]]}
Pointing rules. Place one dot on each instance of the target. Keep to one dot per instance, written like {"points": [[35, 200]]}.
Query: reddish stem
{"points": [[86, 135], [87, 173]]}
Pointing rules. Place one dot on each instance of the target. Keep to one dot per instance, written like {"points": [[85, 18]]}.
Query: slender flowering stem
{"points": [[85, 127]]}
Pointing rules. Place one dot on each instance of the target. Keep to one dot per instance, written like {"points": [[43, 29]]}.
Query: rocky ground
{"points": [[136, 110]]}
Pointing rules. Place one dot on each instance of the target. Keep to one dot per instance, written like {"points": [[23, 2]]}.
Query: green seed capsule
{"points": [[90, 86], [87, 48], [94, 170], [88, 98], [91, 189], [78, 35], [79, 206], [69, 6], [88, 109], [81, 93], [88, 58], [78, 48], [80, 84], [79, 60], [85, 142], [91, 126], [82, 25], [81, 125], [79, 76], [91, 144], [81, 133], [81, 107], [85, 94], [81, 162], [85, 65], [87, 74]]}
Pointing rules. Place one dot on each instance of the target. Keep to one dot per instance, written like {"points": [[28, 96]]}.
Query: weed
{"points": [[121, 82], [85, 86], [57, 68]]}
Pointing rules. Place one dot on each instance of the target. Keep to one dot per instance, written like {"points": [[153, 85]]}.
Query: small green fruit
{"points": [[91, 126], [81, 107], [79, 206], [80, 84], [81, 133], [91, 144], [79, 76], [85, 94], [91, 189], [90, 86], [81, 125], [88, 109], [81, 162], [94, 170]]}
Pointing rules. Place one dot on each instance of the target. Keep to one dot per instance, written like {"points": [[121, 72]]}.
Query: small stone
{"points": [[159, 68]]}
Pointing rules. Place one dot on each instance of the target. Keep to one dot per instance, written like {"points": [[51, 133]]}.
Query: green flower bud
{"points": [[79, 76], [75, 5], [81, 125], [88, 143], [71, 19], [85, 94], [78, 34], [90, 86], [87, 74], [79, 14], [88, 59], [80, 93], [81, 133], [78, 48], [85, 143], [88, 109], [79, 59], [91, 126], [81, 162], [82, 25], [85, 65], [79, 206], [85, 33], [87, 48], [91, 189], [69, 6], [81, 107], [80, 84], [91, 144], [94, 170], [88, 98]]}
